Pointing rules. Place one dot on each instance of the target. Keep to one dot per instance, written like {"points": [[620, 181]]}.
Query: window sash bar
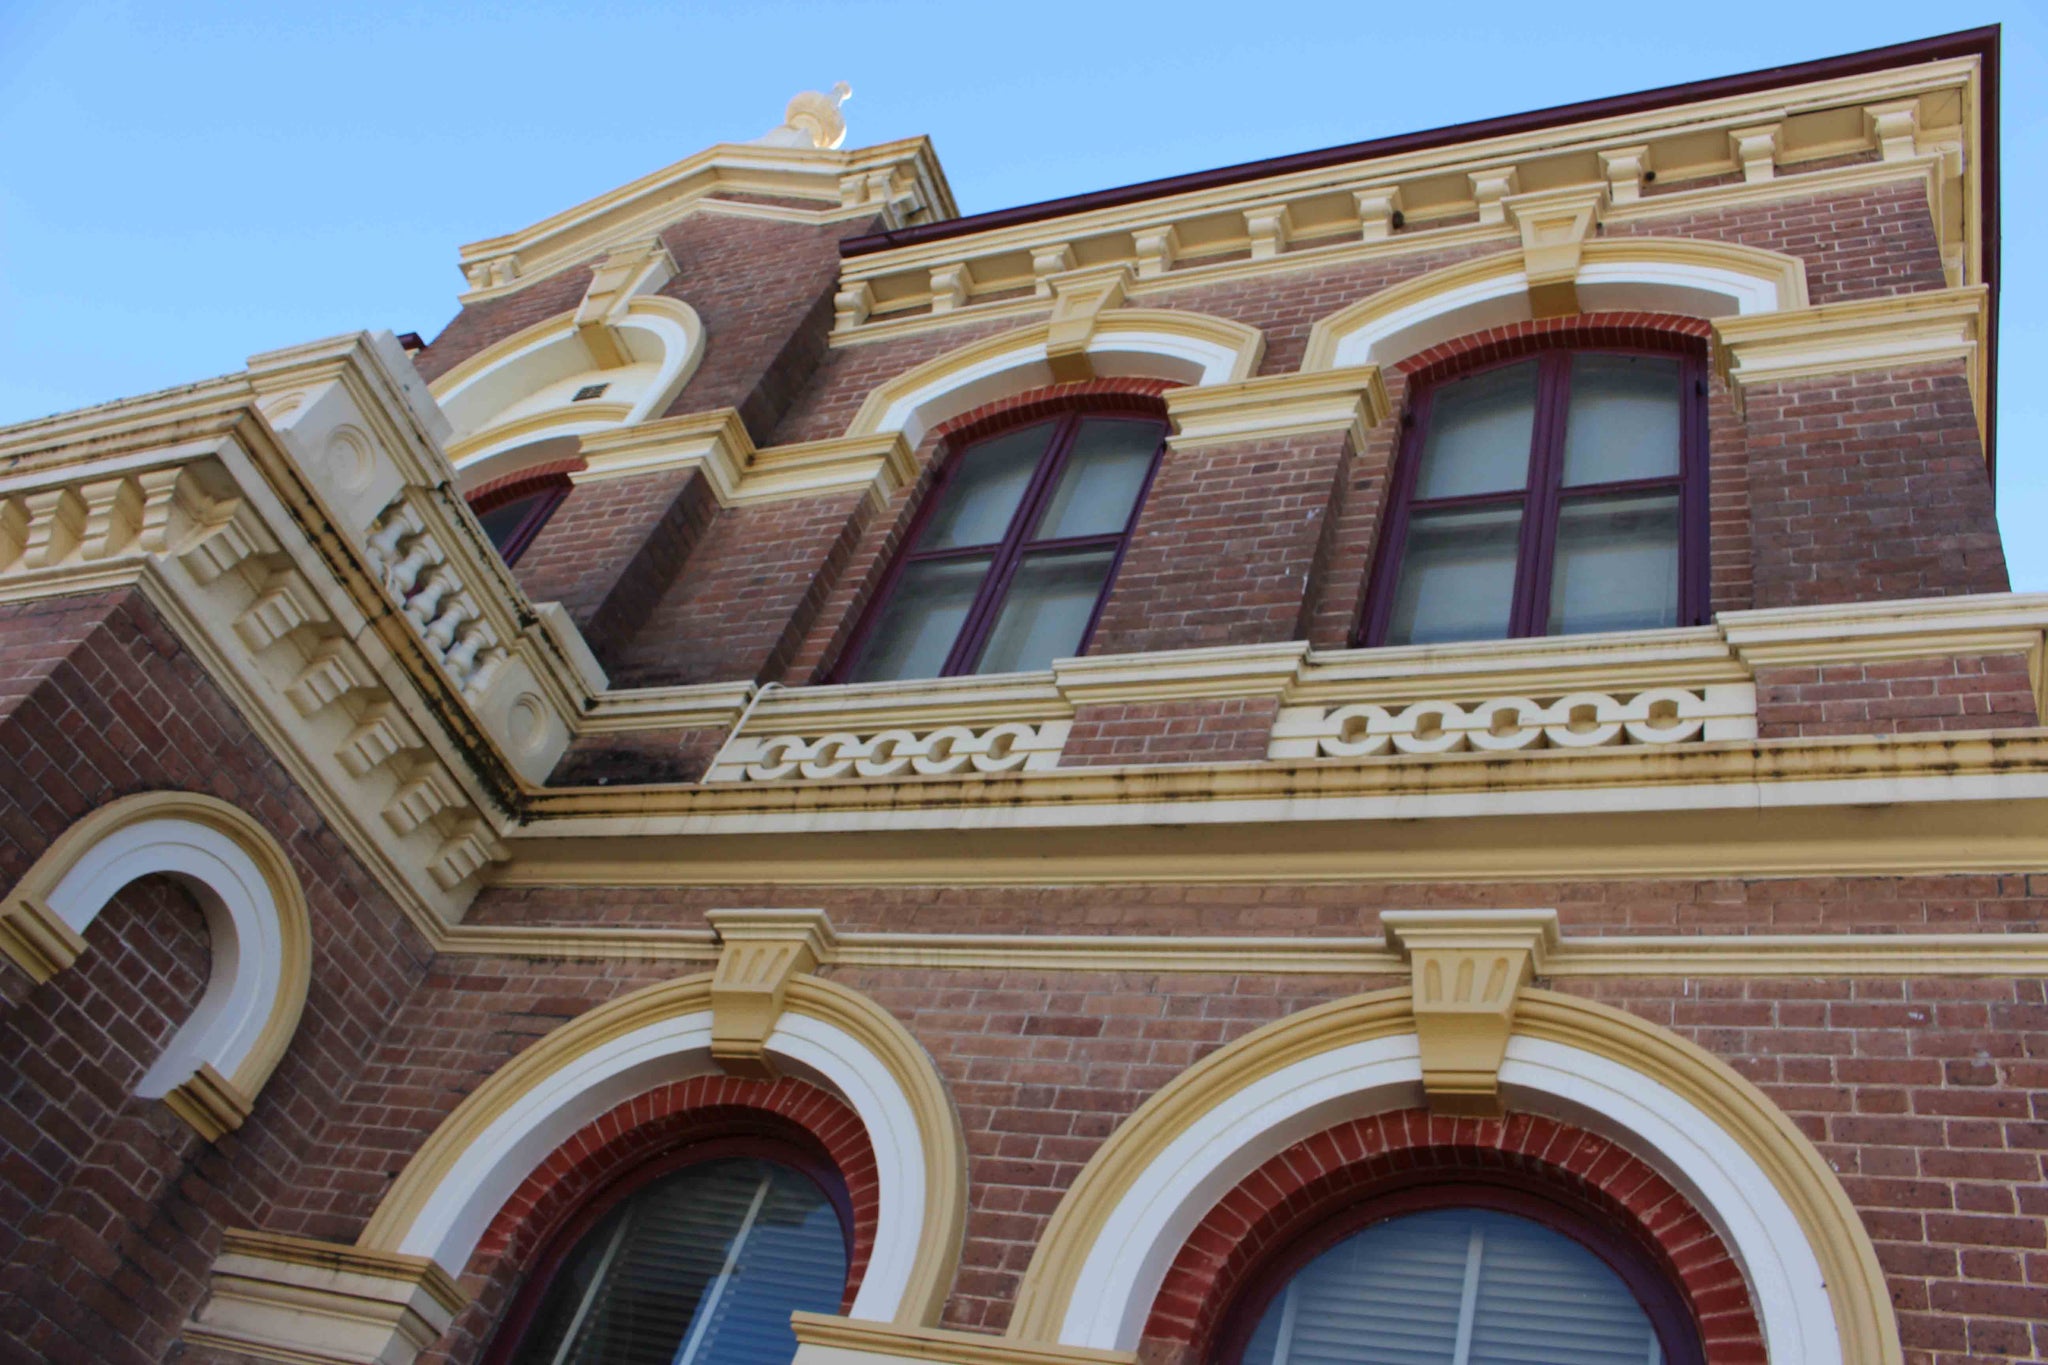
{"points": [[707, 1307], [596, 1285], [1468, 1302]]}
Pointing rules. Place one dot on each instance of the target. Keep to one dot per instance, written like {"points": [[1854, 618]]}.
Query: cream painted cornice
{"points": [[825, 1339], [1849, 338], [1351, 400], [738, 473], [900, 181], [1330, 211], [1985, 953]]}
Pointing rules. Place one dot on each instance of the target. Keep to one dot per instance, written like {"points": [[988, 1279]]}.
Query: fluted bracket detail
{"points": [[1469, 967], [760, 950]]}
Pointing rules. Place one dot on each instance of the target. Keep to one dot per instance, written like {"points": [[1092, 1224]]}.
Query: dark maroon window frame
{"points": [[562, 1243], [1643, 1271], [1543, 493], [550, 489], [1008, 552]]}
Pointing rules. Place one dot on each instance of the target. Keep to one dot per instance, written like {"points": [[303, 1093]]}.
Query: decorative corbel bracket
{"points": [[1079, 299], [1555, 225], [37, 941], [759, 951], [209, 1102], [1353, 400], [628, 271], [1469, 967]]}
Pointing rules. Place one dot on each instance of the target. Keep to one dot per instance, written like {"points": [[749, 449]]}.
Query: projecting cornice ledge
{"points": [[1850, 338]]}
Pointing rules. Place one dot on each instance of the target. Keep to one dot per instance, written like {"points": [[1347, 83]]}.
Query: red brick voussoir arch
{"points": [[1284, 1201], [1116, 394], [1578, 329], [789, 1114]]}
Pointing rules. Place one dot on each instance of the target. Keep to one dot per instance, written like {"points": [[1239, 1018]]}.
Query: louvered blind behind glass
{"points": [[1455, 1287], [702, 1267]]}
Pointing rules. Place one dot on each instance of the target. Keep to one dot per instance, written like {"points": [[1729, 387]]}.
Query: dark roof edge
{"points": [[1982, 42]]}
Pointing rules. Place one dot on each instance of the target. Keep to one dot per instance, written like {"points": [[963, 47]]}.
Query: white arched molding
{"points": [[835, 1038], [521, 391], [1813, 1275], [1140, 343], [213, 1066], [1629, 274]]}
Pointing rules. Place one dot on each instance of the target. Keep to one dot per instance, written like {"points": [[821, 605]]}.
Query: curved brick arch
{"points": [[658, 1121], [1579, 329], [1313, 1180]]}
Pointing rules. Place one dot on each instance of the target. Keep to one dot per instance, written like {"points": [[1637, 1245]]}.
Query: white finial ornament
{"points": [[812, 120]]}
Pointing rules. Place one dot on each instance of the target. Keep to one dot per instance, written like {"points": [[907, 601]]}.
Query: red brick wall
{"points": [[1225, 547], [97, 701], [1204, 730], [613, 759], [1870, 486], [480, 326], [1899, 696]]}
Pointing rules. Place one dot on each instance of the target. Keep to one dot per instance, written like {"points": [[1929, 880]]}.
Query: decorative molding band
{"points": [[1182, 674], [759, 951], [1576, 720], [718, 443], [826, 1340], [1983, 954], [1468, 967], [1849, 338], [303, 1301], [1352, 400], [35, 938], [1012, 746]]}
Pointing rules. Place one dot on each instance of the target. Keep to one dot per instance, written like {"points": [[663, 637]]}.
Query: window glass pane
{"points": [[1099, 485], [1616, 565], [501, 521], [1045, 610], [1411, 1291], [702, 1267], [1623, 422], [1479, 430], [982, 494], [1457, 578], [916, 631]]}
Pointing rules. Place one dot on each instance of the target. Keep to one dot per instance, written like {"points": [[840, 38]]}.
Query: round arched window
{"points": [[1463, 1285], [701, 1265]]}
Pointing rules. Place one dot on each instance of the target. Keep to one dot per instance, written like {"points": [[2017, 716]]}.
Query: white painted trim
{"points": [[1604, 286], [1124, 1269], [1710, 1167], [1121, 1277], [490, 1170], [242, 919], [1124, 351]]}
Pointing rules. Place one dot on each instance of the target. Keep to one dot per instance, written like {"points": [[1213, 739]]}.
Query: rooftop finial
{"points": [[812, 120]]}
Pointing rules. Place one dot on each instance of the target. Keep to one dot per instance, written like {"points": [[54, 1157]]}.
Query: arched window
{"points": [[1452, 1275], [513, 513], [698, 1260], [1014, 551], [1553, 493]]}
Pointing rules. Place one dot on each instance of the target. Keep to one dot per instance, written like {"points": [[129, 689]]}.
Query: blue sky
{"points": [[183, 184]]}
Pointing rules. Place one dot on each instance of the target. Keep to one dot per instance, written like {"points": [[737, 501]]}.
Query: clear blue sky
{"points": [[182, 184]]}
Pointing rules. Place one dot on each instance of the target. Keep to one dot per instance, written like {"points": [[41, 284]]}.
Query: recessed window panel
{"points": [[500, 523], [1623, 422], [1479, 433], [1099, 486], [1046, 610], [981, 497], [1455, 1287], [1616, 565], [916, 632], [1458, 576], [701, 1267]]}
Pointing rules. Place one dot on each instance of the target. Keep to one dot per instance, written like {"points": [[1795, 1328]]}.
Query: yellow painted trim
{"points": [[294, 925], [307, 1251], [939, 1346], [1855, 1281], [1787, 273], [944, 1147], [1352, 400], [717, 442]]}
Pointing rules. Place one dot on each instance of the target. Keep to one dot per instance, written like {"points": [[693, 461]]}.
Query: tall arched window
{"points": [[513, 512], [1454, 1275], [1554, 493], [1014, 551], [698, 1260]]}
